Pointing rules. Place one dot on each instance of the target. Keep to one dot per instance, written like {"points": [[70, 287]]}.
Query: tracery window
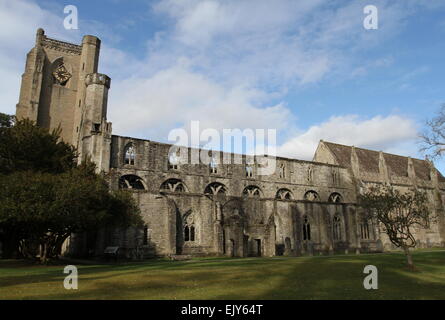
{"points": [[364, 230], [284, 194], [173, 185], [311, 196], [131, 182], [335, 198], [336, 228], [252, 191], [215, 188]]}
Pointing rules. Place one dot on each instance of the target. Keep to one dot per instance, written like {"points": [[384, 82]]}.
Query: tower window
{"points": [[96, 127]]}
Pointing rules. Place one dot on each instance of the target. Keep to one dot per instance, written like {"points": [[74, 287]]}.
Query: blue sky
{"points": [[306, 68]]}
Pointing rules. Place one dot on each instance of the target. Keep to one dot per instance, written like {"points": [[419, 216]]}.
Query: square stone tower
{"points": [[61, 87]]}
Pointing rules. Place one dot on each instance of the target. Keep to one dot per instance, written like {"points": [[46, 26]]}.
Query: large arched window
{"points": [[131, 182], [336, 228], [129, 154], [311, 196], [335, 198], [306, 228], [284, 194], [173, 185], [215, 188], [252, 191]]}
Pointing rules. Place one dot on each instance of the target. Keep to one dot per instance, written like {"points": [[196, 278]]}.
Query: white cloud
{"points": [[225, 63], [378, 133], [174, 97]]}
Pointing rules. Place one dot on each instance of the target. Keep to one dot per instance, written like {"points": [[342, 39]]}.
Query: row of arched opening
{"points": [[217, 188]]}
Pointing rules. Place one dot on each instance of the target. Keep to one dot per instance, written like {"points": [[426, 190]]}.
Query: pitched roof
{"points": [[369, 161]]}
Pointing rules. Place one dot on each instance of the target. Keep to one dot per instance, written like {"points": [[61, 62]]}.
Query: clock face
{"points": [[61, 75]]}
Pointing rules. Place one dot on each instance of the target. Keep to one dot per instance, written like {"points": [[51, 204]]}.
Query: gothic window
{"points": [[335, 180], [215, 188], [192, 233], [311, 196], [282, 171], [252, 191], [310, 174], [364, 230], [336, 228], [249, 171], [189, 233], [186, 233], [306, 228], [131, 182], [173, 185], [284, 194], [130, 154], [173, 159], [213, 165], [189, 227], [335, 198]]}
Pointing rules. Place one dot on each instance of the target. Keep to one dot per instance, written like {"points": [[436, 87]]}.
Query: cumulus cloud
{"points": [[228, 64], [378, 133], [176, 96]]}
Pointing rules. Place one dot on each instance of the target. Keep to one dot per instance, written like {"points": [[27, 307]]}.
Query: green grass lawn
{"points": [[335, 277]]}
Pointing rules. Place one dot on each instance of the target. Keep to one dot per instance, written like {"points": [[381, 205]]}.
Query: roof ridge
{"points": [[361, 148]]}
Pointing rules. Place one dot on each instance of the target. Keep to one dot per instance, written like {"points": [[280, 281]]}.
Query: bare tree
{"points": [[399, 213], [433, 138]]}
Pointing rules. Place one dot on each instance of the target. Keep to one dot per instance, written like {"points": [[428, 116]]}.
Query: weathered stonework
{"points": [[305, 207]]}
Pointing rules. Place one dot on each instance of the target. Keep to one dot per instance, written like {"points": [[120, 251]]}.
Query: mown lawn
{"points": [[336, 277]]}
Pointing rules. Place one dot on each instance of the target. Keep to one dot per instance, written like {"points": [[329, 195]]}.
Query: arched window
{"points": [[364, 230], [173, 185], [336, 228], [249, 171], [306, 228], [186, 233], [131, 182], [215, 188], [129, 154], [174, 159], [189, 233], [213, 164], [282, 171], [192, 233], [335, 198], [284, 194], [311, 196], [252, 191]]}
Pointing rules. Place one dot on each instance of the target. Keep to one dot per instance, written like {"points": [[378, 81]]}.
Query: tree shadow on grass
{"points": [[341, 278]]}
